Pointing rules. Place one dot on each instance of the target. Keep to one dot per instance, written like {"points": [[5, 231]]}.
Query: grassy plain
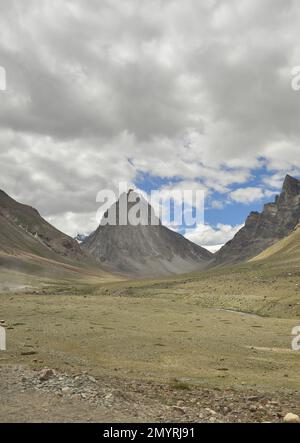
{"points": [[224, 327]]}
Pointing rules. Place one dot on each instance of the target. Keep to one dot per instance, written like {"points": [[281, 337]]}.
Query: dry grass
{"points": [[172, 329]]}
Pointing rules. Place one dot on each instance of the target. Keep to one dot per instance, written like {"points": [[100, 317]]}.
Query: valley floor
{"points": [[83, 398], [209, 347]]}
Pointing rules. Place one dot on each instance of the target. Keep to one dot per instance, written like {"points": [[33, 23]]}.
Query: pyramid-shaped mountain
{"points": [[144, 249]]}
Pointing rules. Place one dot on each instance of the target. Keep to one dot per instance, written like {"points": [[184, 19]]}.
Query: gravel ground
{"points": [[48, 396]]}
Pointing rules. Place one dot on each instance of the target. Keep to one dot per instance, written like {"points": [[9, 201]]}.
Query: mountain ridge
{"points": [[144, 249], [262, 229], [22, 226]]}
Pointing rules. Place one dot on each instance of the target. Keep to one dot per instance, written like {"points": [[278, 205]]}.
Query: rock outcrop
{"points": [[261, 230]]}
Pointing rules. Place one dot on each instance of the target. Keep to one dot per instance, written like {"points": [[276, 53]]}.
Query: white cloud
{"points": [[274, 181], [73, 224], [196, 90], [247, 195], [211, 237], [214, 248]]}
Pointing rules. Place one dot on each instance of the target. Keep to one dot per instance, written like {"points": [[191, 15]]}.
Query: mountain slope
{"points": [[144, 250], [286, 250], [14, 239], [31, 249], [23, 229], [261, 230]]}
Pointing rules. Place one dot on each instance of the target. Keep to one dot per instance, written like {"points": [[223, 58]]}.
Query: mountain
{"points": [[23, 229], [144, 249], [261, 230], [286, 250]]}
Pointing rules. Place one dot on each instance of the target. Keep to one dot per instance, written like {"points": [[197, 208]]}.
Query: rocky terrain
{"points": [[47, 395], [261, 230], [144, 249]]}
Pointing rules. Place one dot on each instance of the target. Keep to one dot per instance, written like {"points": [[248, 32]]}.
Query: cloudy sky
{"points": [[158, 93]]}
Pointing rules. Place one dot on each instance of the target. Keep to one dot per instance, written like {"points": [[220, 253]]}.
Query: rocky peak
{"points": [[291, 186], [142, 245], [129, 207], [261, 230], [290, 190], [252, 218]]}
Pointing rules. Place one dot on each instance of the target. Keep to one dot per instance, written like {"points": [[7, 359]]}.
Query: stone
{"points": [[254, 398], [45, 374], [291, 418], [179, 409], [92, 379], [65, 389], [211, 411]]}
